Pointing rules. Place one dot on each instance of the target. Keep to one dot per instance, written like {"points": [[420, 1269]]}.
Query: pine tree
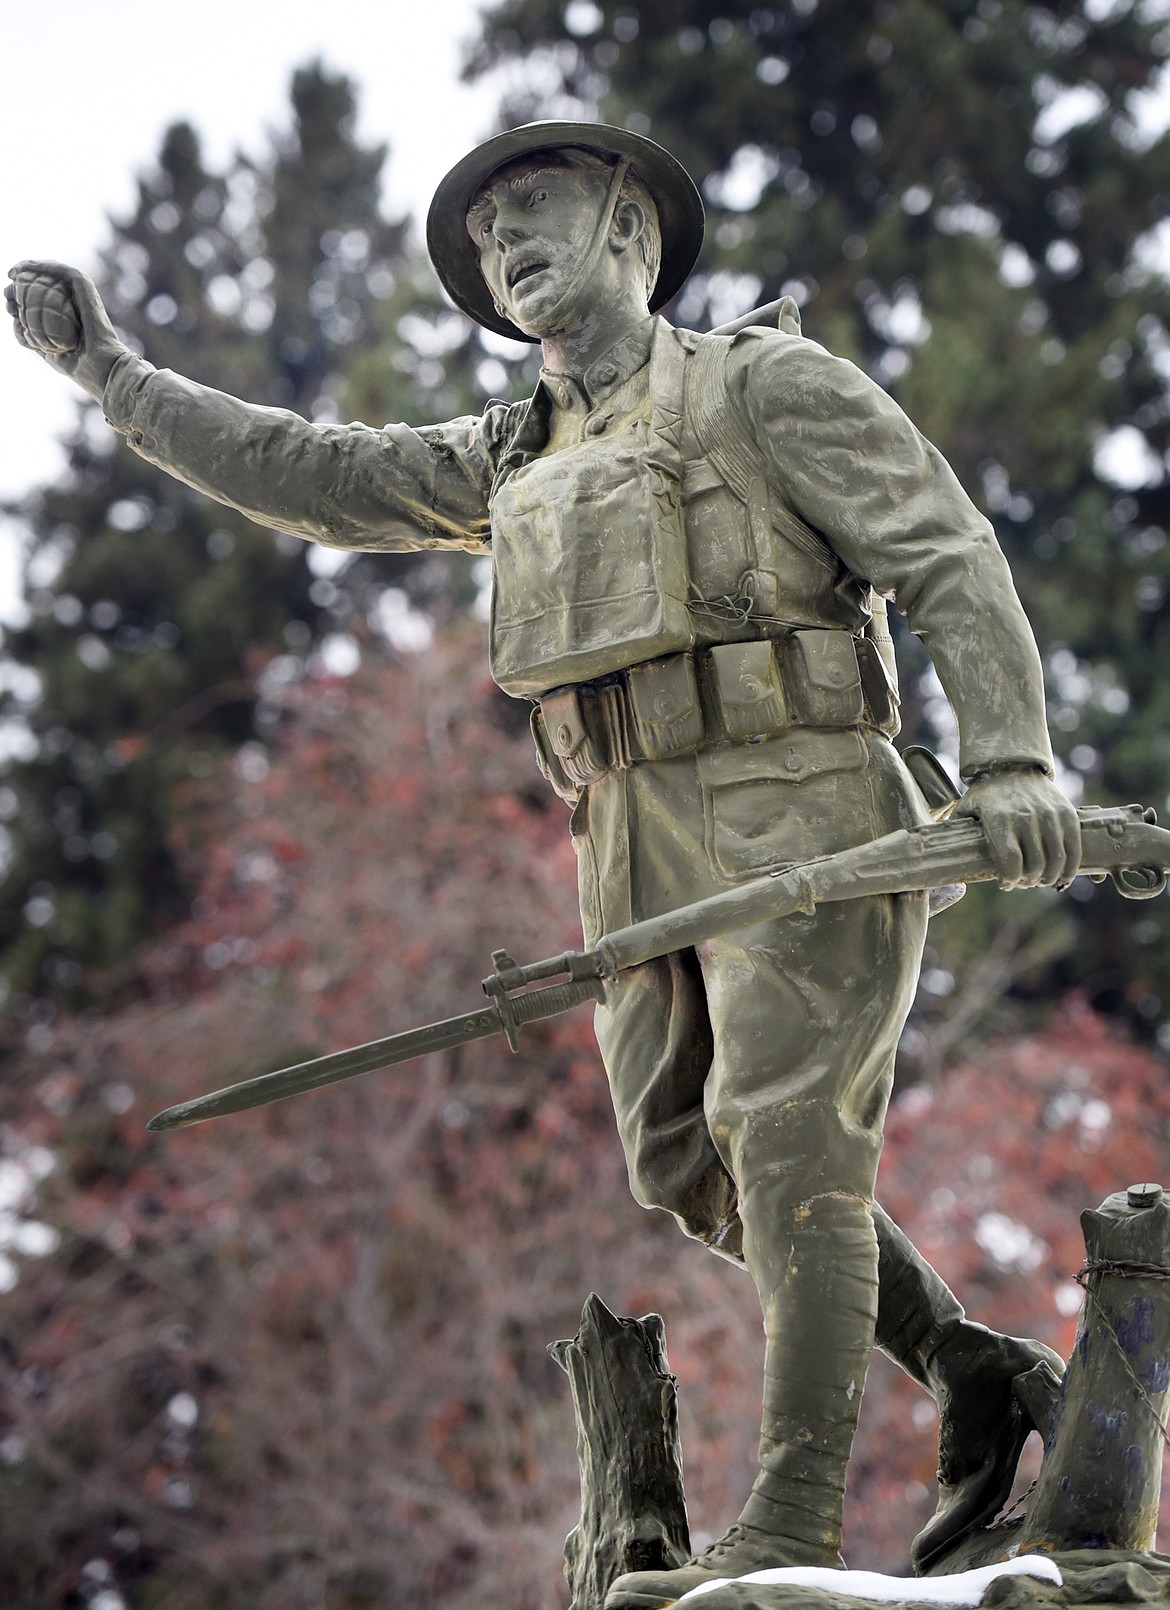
{"points": [[965, 199], [152, 610]]}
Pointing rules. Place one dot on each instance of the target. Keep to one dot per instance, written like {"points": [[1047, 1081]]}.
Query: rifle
{"points": [[1120, 842]]}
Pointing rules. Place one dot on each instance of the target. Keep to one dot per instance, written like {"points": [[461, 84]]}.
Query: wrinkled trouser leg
{"points": [[657, 1045], [657, 1041], [803, 1018]]}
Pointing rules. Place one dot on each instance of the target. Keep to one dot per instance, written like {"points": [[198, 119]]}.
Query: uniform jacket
{"points": [[840, 460]]}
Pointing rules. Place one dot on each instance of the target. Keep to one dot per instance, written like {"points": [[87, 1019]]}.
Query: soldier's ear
{"points": [[629, 220]]}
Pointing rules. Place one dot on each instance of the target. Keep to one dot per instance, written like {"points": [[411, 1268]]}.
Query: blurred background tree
{"points": [[296, 1359]]}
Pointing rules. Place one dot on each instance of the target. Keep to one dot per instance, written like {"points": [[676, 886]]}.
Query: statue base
{"points": [[1093, 1510], [1088, 1577]]}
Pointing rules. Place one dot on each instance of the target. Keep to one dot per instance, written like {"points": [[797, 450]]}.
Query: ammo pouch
{"points": [[810, 678], [823, 678], [746, 691], [581, 733], [547, 760], [680, 704], [665, 709]]}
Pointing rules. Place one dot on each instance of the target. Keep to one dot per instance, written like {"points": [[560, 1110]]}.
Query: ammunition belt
{"points": [[733, 693]]}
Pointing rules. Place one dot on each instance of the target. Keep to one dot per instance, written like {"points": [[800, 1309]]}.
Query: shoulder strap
{"points": [[668, 369], [726, 436]]}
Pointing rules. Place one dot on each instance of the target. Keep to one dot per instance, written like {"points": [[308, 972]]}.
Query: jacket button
{"points": [[597, 424], [792, 761], [606, 375]]}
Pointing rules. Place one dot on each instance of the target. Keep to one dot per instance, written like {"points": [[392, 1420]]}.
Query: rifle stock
{"points": [[1121, 843]]}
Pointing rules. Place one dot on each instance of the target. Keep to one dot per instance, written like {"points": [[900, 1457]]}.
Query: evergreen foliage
{"points": [[152, 610], [966, 199]]}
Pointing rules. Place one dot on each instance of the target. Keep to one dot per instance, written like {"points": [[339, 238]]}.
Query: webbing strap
{"points": [[727, 437], [668, 364]]}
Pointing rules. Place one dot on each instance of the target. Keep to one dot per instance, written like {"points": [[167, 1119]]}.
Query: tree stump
{"points": [[1104, 1437], [1102, 1473], [633, 1512]]}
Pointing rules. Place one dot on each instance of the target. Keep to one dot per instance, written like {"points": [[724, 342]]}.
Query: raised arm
{"points": [[346, 486]]}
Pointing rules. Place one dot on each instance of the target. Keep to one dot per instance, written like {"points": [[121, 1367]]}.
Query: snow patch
{"points": [[963, 1588]]}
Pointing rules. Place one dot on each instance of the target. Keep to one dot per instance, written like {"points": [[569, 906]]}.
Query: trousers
{"points": [[750, 1079], [753, 1075]]}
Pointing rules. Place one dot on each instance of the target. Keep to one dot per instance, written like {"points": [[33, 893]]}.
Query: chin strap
{"points": [[592, 255]]}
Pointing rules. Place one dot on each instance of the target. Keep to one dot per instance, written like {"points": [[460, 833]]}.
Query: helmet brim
{"points": [[680, 209]]}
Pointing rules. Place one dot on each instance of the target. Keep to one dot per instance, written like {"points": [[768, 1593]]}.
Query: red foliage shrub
{"points": [[296, 1358]]}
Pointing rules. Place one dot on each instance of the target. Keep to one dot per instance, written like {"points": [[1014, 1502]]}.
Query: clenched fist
{"points": [[59, 314]]}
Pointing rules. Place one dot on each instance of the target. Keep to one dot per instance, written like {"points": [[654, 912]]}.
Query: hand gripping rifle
{"points": [[1121, 843]]}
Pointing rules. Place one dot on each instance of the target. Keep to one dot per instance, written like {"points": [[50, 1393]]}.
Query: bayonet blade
{"points": [[504, 1014], [328, 1070]]}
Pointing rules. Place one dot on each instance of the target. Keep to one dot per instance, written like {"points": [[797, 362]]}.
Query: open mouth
{"points": [[524, 269]]}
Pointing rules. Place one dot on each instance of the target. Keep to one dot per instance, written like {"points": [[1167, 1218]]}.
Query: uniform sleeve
{"points": [[348, 486], [844, 456]]}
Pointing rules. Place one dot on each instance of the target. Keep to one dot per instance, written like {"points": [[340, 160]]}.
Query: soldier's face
{"points": [[532, 226]]}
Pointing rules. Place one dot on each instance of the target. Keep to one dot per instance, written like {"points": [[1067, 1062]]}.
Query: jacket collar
{"points": [[605, 374], [602, 377]]}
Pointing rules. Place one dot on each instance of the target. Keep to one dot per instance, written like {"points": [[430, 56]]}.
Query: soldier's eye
{"points": [[485, 229], [537, 197]]}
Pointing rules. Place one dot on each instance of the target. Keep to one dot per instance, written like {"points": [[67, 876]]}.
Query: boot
{"points": [[742, 1549], [969, 1371], [983, 1426], [818, 1320]]}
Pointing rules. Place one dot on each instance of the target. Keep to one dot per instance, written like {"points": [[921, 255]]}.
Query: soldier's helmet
{"points": [[680, 208]]}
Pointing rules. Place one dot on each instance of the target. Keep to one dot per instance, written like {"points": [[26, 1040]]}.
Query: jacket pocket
{"points": [[778, 803]]}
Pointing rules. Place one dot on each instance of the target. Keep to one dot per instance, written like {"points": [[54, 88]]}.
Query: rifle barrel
{"points": [[1118, 842]]}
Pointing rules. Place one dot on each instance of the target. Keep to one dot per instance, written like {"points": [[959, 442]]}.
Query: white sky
{"points": [[88, 86]]}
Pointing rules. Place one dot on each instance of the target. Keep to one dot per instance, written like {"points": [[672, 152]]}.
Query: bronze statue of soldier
{"points": [[691, 537]]}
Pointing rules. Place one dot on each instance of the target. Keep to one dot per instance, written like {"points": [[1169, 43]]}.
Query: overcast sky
{"points": [[88, 86]]}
